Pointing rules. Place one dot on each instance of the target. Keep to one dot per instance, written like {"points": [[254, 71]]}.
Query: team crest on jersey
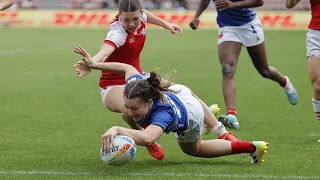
{"points": [[131, 40]]}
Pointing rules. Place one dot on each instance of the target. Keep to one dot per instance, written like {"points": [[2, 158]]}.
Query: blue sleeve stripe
{"points": [[134, 78]]}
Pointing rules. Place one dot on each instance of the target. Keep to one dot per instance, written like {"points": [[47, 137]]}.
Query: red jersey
{"points": [[315, 13], [127, 46]]}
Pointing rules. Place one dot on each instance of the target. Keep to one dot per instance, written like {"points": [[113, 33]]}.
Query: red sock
{"points": [[232, 111], [318, 115], [242, 147], [284, 82]]}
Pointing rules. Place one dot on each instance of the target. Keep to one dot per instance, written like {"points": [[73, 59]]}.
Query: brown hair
{"points": [[148, 88], [130, 5]]}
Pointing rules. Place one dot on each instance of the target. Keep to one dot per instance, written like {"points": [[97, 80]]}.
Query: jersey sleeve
{"points": [[116, 35], [144, 18], [162, 119]]}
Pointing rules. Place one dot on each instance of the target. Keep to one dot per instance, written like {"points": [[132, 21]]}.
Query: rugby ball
{"points": [[121, 151]]}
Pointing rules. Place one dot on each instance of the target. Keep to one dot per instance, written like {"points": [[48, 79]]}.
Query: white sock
{"points": [[316, 108], [219, 129], [288, 86]]}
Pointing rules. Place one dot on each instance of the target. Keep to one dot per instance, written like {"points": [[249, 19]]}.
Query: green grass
{"points": [[51, 121]]}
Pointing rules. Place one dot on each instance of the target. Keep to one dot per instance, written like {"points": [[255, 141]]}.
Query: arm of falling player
{"points": [[142, 138], [116, 67]]}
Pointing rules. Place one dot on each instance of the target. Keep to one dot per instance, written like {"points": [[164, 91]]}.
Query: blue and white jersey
{"points": [[235, 16], [171, 116]]}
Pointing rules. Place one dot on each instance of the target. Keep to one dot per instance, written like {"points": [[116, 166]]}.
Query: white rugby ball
{"points": [[122, 151]]}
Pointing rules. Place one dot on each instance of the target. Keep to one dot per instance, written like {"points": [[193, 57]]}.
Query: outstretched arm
{"points": [[291, 3], [5, 4], [142, 138], [105, 51], [115, 67], [152, 19]]}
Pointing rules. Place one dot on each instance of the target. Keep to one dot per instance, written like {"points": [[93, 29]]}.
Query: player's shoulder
{"points": [[115, 24], [115, 19]]}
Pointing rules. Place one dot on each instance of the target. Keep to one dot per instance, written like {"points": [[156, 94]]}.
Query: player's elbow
{"points": [[148, 140], [289, 6]]}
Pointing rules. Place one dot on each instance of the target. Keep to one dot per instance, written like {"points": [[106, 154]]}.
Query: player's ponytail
{"points": [[130, 5], [147, 89]]}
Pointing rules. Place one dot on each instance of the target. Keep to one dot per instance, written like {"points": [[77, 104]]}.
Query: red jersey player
{"points": [[124, 43], [5, 4], [313, 51]]}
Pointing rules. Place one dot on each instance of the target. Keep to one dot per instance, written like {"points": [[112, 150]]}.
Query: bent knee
{"points": [[191, 152], [265, 73], [316, 85]]}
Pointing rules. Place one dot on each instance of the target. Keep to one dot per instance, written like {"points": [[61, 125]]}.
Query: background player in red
{"points": [[124, 43], [5, 4], [313, 52]]}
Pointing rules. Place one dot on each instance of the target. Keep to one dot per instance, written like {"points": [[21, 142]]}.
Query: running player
{"points": [[239, 25]]}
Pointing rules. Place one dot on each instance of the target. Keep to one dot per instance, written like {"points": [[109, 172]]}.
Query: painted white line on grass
{"points": [[12, 52], [69, 45], [314, 134], [157, 174]]}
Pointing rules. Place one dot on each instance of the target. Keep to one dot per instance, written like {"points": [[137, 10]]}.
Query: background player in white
{"points": [[239, 25], [313, 51], [124, 43], [5, 4], [167, 107]]}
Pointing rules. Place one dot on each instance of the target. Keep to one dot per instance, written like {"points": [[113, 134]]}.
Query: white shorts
{"points": [[248, 35], [104, 92], [195, 114], [313, 43]]}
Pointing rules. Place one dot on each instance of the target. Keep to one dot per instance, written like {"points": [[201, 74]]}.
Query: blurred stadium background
{"points": [[148, 4]]}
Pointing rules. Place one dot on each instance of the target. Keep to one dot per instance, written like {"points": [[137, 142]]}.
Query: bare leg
{"points": [[228, 55], [259, 59]]}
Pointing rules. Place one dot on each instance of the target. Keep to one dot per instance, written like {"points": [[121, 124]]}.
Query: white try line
{"points": [[314, 134], [12, 52], [156, 174]]}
